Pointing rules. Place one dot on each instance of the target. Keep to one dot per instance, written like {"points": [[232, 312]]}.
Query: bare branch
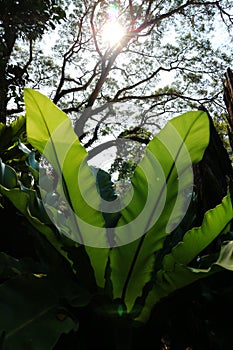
{"points": [[95, 134], [77, 88], [94, 30], [119, 92], [30, 56], [67, 56], [172, 94]]}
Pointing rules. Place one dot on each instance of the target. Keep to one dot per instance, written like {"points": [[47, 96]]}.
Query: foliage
{"points": [[162, 66], [128, 156], [73, 262], [34, 295], [29, 18], [117, 271], [27, 21]]}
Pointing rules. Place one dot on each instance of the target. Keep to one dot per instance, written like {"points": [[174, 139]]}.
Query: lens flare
{"points": [[113, 11], [112, 33]]}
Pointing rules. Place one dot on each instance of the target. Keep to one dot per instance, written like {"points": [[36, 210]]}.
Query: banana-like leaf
{"points": [[31, 316], [156, 210], [175, 272], [50, 131]]}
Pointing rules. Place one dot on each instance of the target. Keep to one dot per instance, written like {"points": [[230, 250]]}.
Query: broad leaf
{"points": [[198, 238], [51, 132], [25, 203], [175, 272], [157, 209], [10, 133], [8, 176], [30, 206], [31, 315]]}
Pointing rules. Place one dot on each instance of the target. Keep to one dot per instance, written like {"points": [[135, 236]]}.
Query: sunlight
{"points": [[112, 33]]}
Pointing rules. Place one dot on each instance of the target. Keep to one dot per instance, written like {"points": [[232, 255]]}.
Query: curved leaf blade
{"points": [[175, 272], [30, 314], [25, 204], [198, 238], [51, 132], [10, 133], [8, 176], [132, 264]]}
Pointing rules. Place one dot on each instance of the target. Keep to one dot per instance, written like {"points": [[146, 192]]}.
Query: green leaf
{"points": [[225, 259], [24, 202], [50, 131], [106, 189], [31, 314], [27, 203], [8, 176], [10, 133], [24, 148], [156, 210], [11, 267], [198, 238], [175, 272]]}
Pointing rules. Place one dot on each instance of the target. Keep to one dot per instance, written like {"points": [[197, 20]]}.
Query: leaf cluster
{"points": [[78, 269], [29, 19]]}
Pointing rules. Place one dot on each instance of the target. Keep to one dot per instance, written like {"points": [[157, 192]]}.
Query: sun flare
{"points": [[112, 33]]}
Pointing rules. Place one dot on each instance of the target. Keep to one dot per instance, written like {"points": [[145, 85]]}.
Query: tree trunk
{"points": [[3, 91], [228, 99], [213, 175], [7, 42], [3, 105]]}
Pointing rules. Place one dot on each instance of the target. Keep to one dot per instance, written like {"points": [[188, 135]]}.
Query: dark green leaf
{"points": [[175, 272], [8, 176], [30, 312]]}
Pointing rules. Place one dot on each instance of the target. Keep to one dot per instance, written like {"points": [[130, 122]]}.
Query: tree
{"points": [[26, 21], [83, 74]]}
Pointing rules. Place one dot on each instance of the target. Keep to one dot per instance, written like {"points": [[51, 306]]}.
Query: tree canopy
{"points": [[171, 57], [24, 22]]}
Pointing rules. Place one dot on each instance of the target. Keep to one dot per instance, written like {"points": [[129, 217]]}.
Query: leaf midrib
{"points": [[65, 187], [29, 321], [133, 264]]}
